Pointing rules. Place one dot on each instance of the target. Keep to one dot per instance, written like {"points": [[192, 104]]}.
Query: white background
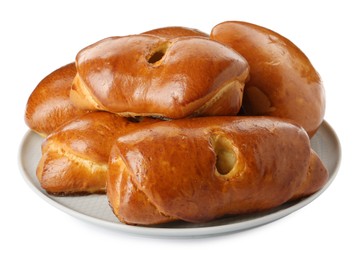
{"points": [[39, 36]]}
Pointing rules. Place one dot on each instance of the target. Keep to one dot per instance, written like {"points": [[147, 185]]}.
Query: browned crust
{"points": [[190, 75], [174, 164], [49, 105]]}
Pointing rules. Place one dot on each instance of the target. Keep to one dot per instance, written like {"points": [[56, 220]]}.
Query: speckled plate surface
{"points": [[95, 208]]}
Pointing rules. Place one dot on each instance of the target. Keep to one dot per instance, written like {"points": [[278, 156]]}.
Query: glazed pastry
{"points": [[283, 82], [146, 75], [75, 157], [176, 31], [200, 169], [315, 178], [49, 105]]}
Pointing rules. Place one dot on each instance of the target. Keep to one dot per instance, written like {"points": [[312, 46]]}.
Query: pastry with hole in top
{"points": [[147, 75], [200, 169], [75, 157], [283, 82]]}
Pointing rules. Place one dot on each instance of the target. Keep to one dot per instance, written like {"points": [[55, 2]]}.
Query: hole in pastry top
{"points": [[135, 119], [157, 55], [226, 157]]}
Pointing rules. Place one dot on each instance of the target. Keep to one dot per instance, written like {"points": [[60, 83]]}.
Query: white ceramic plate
{"points": [[95, 208]]}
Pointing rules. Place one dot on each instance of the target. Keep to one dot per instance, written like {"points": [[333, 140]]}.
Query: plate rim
{"points": [[187, 231]]}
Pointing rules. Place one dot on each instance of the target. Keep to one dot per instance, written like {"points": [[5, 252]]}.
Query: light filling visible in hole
{"points": [[225, 155], [158, 54]]}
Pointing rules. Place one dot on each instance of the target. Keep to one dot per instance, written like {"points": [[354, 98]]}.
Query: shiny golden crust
{"points": [[176, 31], [75, 157], [283, 82], [49, 105], [146, 75], [316, 177], [200, 169], [190, 169]]}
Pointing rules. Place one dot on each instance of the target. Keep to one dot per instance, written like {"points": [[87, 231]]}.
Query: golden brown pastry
{"points": [[176, 31], [315, 178], [200, 169], [283, 82], [49, 105], [146, 75], [75, 157]]}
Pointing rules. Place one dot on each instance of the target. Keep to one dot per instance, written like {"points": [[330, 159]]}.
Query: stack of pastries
{"points": [[174, 124]]}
